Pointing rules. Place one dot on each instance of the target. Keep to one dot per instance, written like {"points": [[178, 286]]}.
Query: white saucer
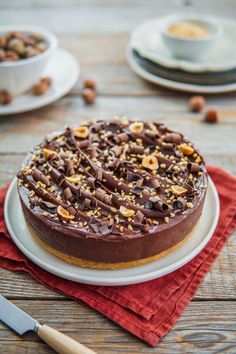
{"points": [[21, 236], [64, 70], [175, 85], [146, 39]]}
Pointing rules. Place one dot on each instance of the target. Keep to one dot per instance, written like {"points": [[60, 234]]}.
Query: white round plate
{"points": [[175, 85], [64, 70], [21, 236], [146, 39]]}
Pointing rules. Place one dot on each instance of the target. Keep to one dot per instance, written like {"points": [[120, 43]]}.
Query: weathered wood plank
{"points": [[213, 331], [20, 132]]}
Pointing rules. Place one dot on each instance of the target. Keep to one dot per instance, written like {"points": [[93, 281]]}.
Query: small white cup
{"points": [[191, 49], [21, 75]]}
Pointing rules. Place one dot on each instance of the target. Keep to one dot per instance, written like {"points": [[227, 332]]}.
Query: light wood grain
{"points": [[207, 327]]}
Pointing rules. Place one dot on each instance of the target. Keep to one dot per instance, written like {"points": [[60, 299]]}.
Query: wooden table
{"points": [[96, 32]]}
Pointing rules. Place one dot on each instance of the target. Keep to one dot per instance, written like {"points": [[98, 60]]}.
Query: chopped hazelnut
{"points": [[150, 162], [73, 179], [81, 132], [211, 116], [186, 149], [136, 127], [178, 190], [126, 212], [64, 213], [196, 103], [49, 154]]}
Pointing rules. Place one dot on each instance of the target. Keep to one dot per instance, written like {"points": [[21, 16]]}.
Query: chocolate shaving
{"points": [[131, 177], [83, 144], [87, 203], [155, 183], [159, 204], [68, 194], [139, 182], [121, 138], [179, 203], [174, 138], [71, 210], [105, 230], [193, 167], [70, 168], [39, 176], [56, 175], [167, 146], [138, 150], [91, 182], [137, 191], [116, 150], [139, 216]]}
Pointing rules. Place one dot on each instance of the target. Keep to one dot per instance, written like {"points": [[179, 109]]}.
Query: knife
{"points": [[21, 323]]}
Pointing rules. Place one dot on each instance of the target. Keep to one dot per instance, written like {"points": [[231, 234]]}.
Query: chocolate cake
{"points": [[112, 194]]}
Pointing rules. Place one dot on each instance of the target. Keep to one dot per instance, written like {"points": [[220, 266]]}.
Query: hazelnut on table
{"points": [[196, 103], [88, 95], [211, 116]]}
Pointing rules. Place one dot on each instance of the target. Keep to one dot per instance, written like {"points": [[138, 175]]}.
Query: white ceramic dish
{"points": [[146, 39], [175, 85], [21, 236], [20, 75], [189, 48], [64, 70]]}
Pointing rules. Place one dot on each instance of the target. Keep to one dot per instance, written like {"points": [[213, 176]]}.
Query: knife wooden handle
{"points": [[60, 342]]}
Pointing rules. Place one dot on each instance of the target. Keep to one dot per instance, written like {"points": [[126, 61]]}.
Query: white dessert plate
{"points": [[176, 85], [21, 236], [146, 39], [64, 70]]}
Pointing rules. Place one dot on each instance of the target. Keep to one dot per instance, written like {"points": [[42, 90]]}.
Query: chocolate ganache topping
{"points": [[113, 179]]}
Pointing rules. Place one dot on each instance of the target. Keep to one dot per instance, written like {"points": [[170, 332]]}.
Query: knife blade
{"points": [[15, 318], [21, 323]]}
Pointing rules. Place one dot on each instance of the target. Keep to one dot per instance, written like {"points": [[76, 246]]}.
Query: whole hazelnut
{"points": [[89, 83], [40, 88], [211, 116], [2, 54], [88, 95], [31, 51], [41, 46], [196, 103], [11, 56], [47, 80], [5, 97], [3, 41], [17, 45]]}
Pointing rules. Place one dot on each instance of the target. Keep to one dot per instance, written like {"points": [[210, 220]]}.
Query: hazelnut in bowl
{"points": [[24, 53], [189, 36]]}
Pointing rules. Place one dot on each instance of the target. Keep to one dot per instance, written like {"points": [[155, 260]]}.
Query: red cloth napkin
{"points": [[148, 310]]}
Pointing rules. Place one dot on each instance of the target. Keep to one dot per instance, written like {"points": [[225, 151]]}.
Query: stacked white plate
{"points": [[150, 58]]}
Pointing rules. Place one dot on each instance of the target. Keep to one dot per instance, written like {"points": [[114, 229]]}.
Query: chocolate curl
{"points": [[154, 183], [92, 152], [100, 194], [61, 165], [91, 182], [137, 150], [116, 150], [56, 175], [174, 138], [71, 210], [39, 176], [115, 164], [179, 203], [83, 144], [193, 167], [99, 175], [87, 203], [70, 168], [121, 138], [68, 194], [159, 204], [151, 134], [167, 146], [139, 216]]}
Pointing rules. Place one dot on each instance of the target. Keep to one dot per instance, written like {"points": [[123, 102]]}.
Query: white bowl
{"points": [[19, 76], [191, 49]]}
